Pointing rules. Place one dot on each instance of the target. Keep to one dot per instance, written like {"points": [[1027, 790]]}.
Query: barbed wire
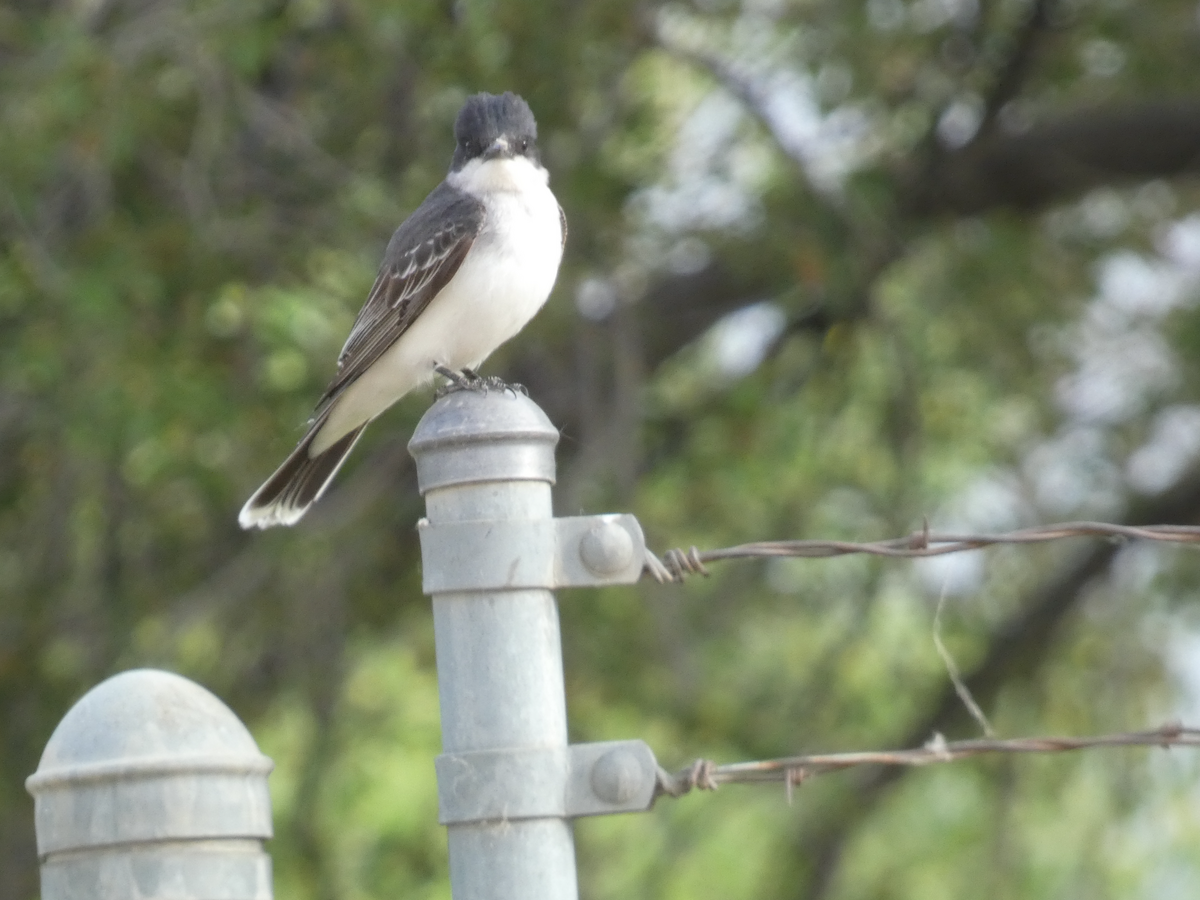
{"points": [[707, 775], [675, 564]]}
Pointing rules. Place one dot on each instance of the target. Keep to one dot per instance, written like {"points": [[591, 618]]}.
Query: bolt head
{"points": [[616, 776], [606, 549]]}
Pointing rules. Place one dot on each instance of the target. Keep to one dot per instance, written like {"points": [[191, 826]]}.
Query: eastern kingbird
{"points": [[462, 275]]}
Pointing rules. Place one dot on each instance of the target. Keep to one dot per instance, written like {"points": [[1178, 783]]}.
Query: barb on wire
{"points": [[675, 564], [707, 775]]}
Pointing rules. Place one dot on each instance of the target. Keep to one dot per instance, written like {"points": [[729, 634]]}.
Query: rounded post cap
{"points": [[146, 756], [472, 436]]}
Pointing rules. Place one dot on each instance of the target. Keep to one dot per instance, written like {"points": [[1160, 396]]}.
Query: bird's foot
{"points": [[470, 380], [494, 383]]}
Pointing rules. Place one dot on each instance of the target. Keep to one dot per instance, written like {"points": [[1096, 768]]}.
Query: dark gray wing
{"points": [[421, 258]]}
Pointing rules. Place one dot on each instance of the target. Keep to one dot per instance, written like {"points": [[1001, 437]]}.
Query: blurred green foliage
{"points": [[193, 200]]}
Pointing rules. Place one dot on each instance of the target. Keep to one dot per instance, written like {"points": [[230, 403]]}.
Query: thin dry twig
{"points": [[960, 686], [705, 774], [918, 545]]}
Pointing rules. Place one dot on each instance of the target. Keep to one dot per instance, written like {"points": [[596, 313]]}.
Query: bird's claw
{"points": [[470, 380]]}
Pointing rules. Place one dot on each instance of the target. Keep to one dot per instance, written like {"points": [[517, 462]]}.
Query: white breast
{"points": [[511, 269], [500, 286]]}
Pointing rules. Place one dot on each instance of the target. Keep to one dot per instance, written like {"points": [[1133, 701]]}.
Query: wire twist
{"points": [[697, 776]]}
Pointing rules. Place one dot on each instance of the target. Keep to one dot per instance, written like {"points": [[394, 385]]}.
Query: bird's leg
{"points": [[458, 381]]}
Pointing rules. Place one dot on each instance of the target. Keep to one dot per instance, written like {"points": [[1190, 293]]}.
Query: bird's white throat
{"points": [[486, 176]]}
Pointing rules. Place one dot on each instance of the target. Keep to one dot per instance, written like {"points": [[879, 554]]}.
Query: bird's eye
{"points": [[524, 144]]}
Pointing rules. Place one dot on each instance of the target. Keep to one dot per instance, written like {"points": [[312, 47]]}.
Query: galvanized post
{"points": [[150, 787], [491, 550], [489, 458]]}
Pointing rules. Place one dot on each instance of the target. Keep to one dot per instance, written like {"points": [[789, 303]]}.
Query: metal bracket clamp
{"points": [[554, 782], [577, 551]]}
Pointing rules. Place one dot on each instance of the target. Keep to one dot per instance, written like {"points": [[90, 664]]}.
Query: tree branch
{"points": [[1015, 71], [1062, 159]]}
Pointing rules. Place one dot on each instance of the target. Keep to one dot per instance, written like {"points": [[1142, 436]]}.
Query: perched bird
{"points": [[463, 274]]}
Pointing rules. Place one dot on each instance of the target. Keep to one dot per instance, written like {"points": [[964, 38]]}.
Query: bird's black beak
{"points": [[498, 149]]}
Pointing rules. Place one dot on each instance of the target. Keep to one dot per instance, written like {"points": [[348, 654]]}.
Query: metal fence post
{"points": [[150, 787], [491, 550], [490, 458]]}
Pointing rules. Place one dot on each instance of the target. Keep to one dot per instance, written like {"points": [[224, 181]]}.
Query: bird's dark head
{"points": [[491, 126]]}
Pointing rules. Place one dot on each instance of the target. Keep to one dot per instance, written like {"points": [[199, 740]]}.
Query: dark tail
{"points": [[298, 483]]}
